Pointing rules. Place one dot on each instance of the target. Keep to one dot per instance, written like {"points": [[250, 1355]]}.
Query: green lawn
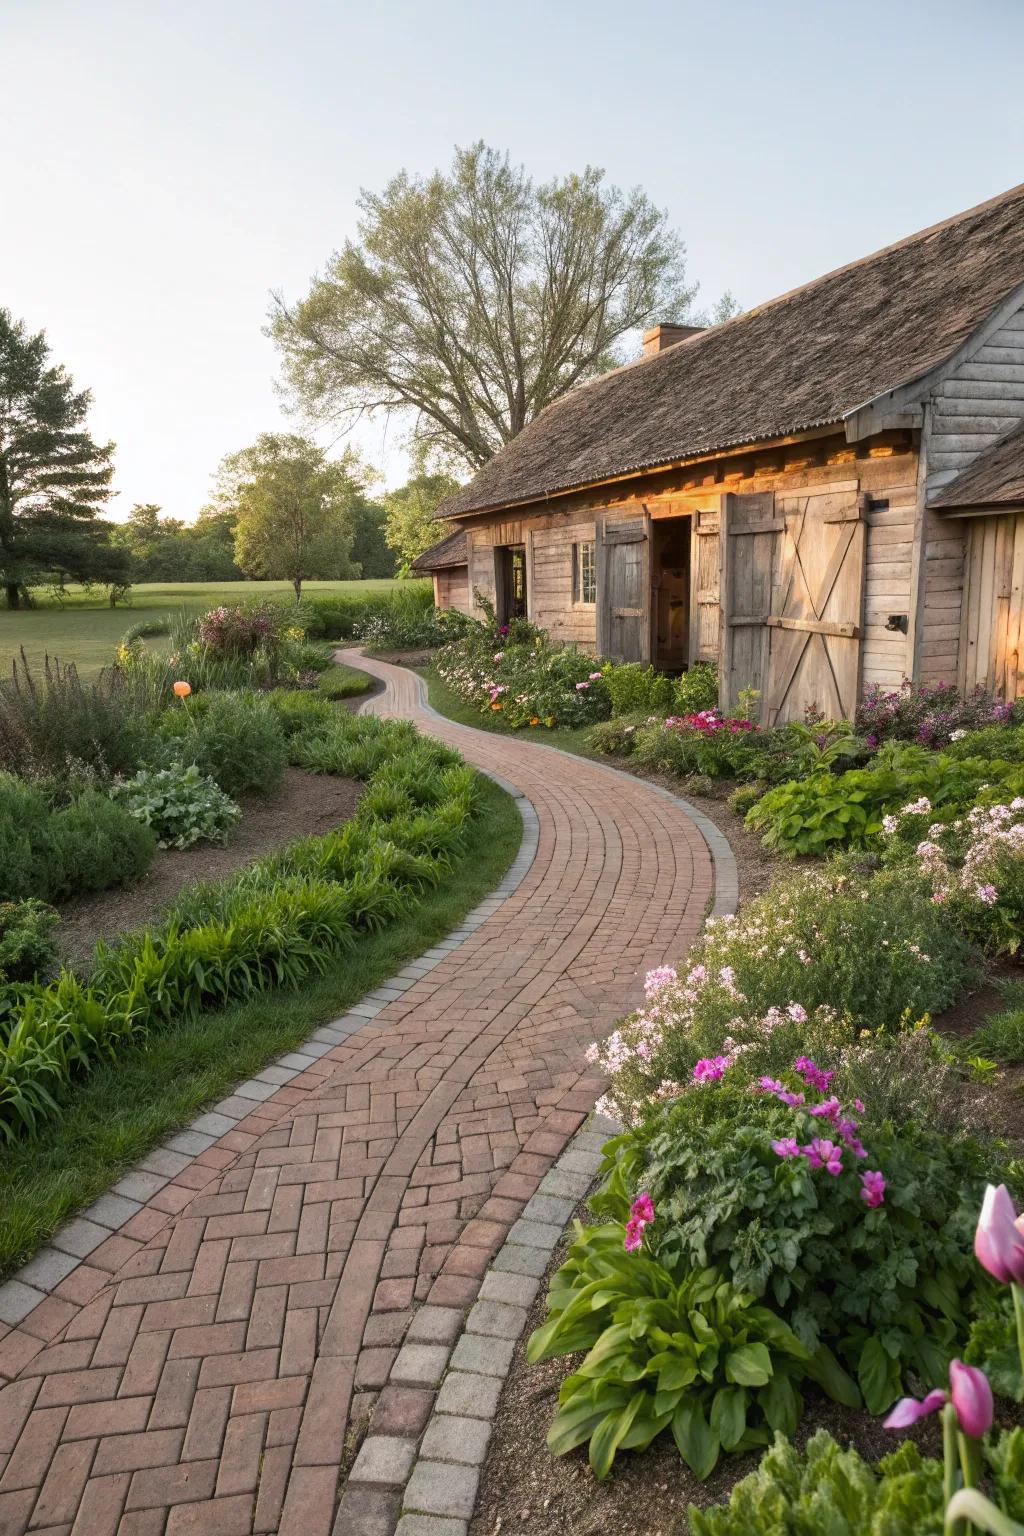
{"points": [[126, 1107], [85, 629]]}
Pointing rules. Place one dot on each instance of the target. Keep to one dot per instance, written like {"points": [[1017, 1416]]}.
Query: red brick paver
{"points": [[199, 1372]]}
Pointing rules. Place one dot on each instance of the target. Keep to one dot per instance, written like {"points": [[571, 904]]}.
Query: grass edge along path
{"points": [[126, 1107]]}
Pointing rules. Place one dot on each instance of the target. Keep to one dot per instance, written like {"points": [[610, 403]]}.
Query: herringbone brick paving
{"points": [[199, 1372]]}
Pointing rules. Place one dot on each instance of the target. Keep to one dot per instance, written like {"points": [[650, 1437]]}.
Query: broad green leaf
{"points": [[606, 1437], [749, 1366], [729, 1415], [697, 1442]]}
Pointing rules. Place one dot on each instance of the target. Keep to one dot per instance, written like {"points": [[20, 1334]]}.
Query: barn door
{"points": [[749, 531], [705, 608], [624, 588], [817, 597]]}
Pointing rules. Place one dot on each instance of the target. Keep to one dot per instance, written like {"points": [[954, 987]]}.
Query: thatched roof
{"points": [[454, 550], [804, 360], [995, 479]]}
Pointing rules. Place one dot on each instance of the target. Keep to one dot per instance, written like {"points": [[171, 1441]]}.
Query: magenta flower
{"points": [[642, 1208], [872, 1188], [634, 1240], [788, 1146], [814, 1076], [709, 1068], [822, 1153], [794, 1100], [998, 1239], [768, 1085], [829, 1109]]}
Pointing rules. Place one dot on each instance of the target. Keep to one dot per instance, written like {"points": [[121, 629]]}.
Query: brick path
{"points": [[200, 1370]]}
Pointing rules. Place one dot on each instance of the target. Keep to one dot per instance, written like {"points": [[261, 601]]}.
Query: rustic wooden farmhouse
{"points": [[824, 493], [448, 564]]}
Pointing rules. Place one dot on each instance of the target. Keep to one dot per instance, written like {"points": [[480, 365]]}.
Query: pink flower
{"points": [[822, 1153], [829, 1109], [581, 686], [872, 1188], [788, 1146], [814, 1076], [987, 894], [634, 1239], [797, 1013], [910, 1411], [660, 977], [998, 1238], [594, 676], [709, 1068], [792, 1099], [767, 1085], [642, 1209], [972, 1398]]}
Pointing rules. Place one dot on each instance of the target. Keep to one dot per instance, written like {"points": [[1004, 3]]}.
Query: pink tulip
{"points": [[972, 1398], [998, 1239], [909, 1411]]}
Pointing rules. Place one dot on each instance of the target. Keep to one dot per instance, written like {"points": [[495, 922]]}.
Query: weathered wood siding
{"points": [[885, 658], [549, 572], [451, 588], [977, 404], [992, 630]]}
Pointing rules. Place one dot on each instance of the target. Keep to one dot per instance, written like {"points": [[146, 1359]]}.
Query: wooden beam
{"points": [[815, 627]]}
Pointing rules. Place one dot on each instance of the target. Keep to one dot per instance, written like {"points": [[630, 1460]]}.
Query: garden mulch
{"points": [[307, 804]]}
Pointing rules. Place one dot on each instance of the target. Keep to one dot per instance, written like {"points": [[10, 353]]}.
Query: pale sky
{"points": [[163, 166]]}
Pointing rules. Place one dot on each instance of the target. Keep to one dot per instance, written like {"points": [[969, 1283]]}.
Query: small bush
{"points": [[235, 738], [931, 714], [26, 939], [56, 724], [1001, 1038], [88, 845], [339, 615], [634, 689], [519, 676], [616, 738], [697, 689], [179, 804], [745, 797]]}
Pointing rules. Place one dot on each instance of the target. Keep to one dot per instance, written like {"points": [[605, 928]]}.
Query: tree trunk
{"points": [[297, 584], [13, 593]]}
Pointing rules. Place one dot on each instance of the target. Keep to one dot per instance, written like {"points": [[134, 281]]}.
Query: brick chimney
{"points": [[662, 336]]}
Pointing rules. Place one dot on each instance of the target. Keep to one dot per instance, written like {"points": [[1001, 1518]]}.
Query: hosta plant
{"points": [[180, 804], [667, 1348]]}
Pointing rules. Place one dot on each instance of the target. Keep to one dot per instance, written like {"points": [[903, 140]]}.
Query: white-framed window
{"points": [[584, 572]]}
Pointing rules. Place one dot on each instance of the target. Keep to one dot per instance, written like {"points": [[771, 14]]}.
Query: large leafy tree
{"points": [[474, 298], [53, 477], [169, 549], [294, 509], [410, 525]]}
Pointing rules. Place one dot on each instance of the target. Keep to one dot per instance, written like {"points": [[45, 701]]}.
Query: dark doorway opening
{"points": [[670, 575], [510, 575]]}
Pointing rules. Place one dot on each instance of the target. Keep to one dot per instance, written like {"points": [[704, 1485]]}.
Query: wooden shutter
{"points": [[749, 534], [623, 556], [816, 609], [705, 609]]}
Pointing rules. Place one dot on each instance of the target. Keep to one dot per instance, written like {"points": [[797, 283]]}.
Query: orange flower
{"points": [[535, 720], [182, 690], [496, 704]]}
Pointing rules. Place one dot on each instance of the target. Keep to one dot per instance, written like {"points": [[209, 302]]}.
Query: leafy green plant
{"points": [[234, 738], [744, 796], [616, 737], [180, 805], [340, 682], [26, 939], [1001, 1037], [667, 1348], [993, 1344], [826, 1488], [338, 616]]}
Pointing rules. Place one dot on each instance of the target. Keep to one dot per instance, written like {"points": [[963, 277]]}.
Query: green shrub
{"points": [[408, 623], [761, 978], [26, 939], [179, 804], [825, 1488], [889, 1289], [993, 1344], [1001, 1037], [235, 738], [745, 796], [519, 676], [300, 712], [338, 615], [709, 745], [51, 854], [697, 689], [56, 724], [616, 737], [635, 689]]}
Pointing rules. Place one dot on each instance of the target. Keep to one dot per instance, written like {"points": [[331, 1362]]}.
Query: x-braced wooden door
{"points": [[815, 622]]}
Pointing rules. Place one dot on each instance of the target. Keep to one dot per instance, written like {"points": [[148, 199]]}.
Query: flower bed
{"points": [[511, 670]]}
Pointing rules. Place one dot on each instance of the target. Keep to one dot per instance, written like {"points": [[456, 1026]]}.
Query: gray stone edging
{"points": [[72, 1243], [431, 1480], [727, 887]]}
